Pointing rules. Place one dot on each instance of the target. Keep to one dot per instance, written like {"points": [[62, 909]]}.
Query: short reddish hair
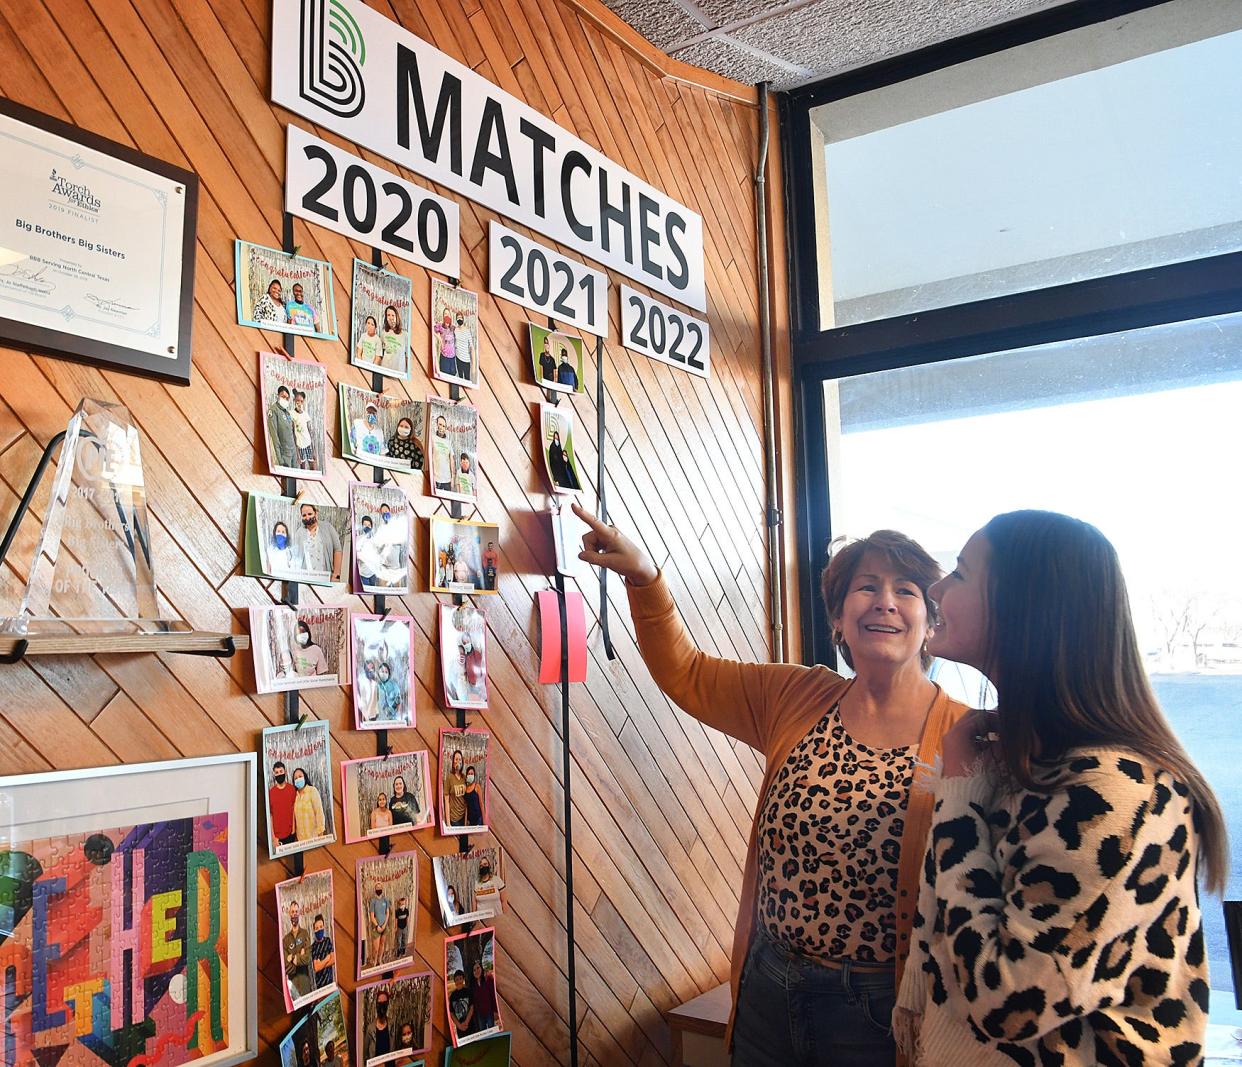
{"points": [[905, 555]]}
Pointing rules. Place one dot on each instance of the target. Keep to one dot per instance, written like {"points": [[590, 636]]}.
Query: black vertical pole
{"points": [[599, 488], [567, 791]]}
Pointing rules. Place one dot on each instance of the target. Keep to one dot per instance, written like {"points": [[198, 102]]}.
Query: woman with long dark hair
{"points": [[1058, 917]]}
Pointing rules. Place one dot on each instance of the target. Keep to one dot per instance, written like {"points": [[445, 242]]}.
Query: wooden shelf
{"points": [[202, 641]]}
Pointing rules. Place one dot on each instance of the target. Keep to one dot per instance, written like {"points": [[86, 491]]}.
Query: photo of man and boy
{"points": [[297, 778], [383, 682], [380, 521], [454, 334], [453, 444], [380, 429], [307, 947], [379, 320], [387, 893], [293, 396], [464, 556], [282, 292], [385, 795], [557, 359], [297, 648]]}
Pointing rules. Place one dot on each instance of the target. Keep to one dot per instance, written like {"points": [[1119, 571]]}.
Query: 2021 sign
{"points": [[345, 193], [536, 277], [664, 333]]}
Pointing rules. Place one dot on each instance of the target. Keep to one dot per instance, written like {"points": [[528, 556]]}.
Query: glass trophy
{"points": [[92, 572]]}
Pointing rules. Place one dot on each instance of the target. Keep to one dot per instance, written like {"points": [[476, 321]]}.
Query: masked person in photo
{"points": [[547, 362], [280, 430], [403, 445], [323, 955], [366, 438], [566, 375], [831, 876], [390, 703], [302, 439], [379, 914], [280, 798], [455, 790], [297, 951], [446, 335], [318, 545], [403, 806], [301, 313], [463, 349], [450, 898], [455, 678], [282, 554], [366, 690], [442, 457], [394, 340], [473, 798], [379, 1040], [368, 551], [474, 667], [381, 817], [1058, 916], [270, 307], [308, 657], [367, 350], [561, 469], [308, 816]]}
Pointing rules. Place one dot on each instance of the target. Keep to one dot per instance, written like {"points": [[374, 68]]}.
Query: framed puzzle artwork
{"points": [[130, 931]]}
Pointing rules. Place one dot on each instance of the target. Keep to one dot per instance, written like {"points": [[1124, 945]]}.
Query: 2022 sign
{"points": [[345, 193], [664, 333], [536, 277]]}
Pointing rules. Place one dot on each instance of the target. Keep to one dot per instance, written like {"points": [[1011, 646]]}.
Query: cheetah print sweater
{"points": [[1059, 928]]}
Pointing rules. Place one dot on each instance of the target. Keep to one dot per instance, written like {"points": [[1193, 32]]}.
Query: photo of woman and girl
{"points": [[380, 522], [460, 562], [453, 441], [307, 947], [282, 292], [557, 359], [297, 648], [556, 431], [387, 890], [470, 986], [297, 778], [392, 1019], [383, 681], [463, 780], [380, 315], [468, 885], [381, 429], [385, 795], [293, 397], [463, 656], [454, 334], [296, 541], [1066, 833]]}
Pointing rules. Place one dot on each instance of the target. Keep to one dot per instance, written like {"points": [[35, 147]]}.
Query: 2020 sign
{"points": [[536, 277], [345, 193], [664, 333]]}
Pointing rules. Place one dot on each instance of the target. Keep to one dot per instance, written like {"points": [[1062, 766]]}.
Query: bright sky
{"points": [[1157, 473]]}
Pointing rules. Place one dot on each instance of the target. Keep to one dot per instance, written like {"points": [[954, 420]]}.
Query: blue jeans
{"points": [[793, 1012]]}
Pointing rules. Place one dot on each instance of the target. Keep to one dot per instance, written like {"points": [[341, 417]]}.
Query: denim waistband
{"points": [[792, 971]]}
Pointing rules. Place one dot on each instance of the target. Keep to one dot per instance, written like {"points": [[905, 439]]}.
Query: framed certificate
{"points": [[97, 248]]}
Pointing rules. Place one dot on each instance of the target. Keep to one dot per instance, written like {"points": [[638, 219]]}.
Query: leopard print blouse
{"points": [[829, 840]]}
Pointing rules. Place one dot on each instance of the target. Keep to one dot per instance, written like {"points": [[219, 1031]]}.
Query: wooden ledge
{"points": [[204, 642], [707, 1013]]}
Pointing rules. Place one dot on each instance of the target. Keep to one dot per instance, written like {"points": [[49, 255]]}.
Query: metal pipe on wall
{"points": [[776, 604]]}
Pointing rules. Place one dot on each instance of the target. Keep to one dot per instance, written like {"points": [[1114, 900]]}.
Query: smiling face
{"points": [[884, 616], [962, 596]]}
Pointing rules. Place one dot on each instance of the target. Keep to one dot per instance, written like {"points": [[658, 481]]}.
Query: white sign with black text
{"points": [[664, 333], [347, 68], [345, 193], [536, 277]]}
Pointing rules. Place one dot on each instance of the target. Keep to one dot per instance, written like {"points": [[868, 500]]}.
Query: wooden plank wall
{"points": [[662, 805]]}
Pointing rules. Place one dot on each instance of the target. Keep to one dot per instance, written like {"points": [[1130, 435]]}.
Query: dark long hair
{"points": [[1065, 661]]}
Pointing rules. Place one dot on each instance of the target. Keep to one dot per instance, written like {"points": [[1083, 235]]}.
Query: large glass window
{"points": [[1106, 149], [1136, 432]]}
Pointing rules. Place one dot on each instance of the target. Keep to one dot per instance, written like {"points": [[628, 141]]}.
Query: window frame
{"points": [[1211, 285]]}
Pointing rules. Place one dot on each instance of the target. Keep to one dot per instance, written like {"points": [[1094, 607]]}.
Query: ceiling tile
{"points": [[723, 57], [662, 22]]}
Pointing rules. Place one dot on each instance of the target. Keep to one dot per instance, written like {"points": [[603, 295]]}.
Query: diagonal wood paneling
{"points": [[662, 805]]}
